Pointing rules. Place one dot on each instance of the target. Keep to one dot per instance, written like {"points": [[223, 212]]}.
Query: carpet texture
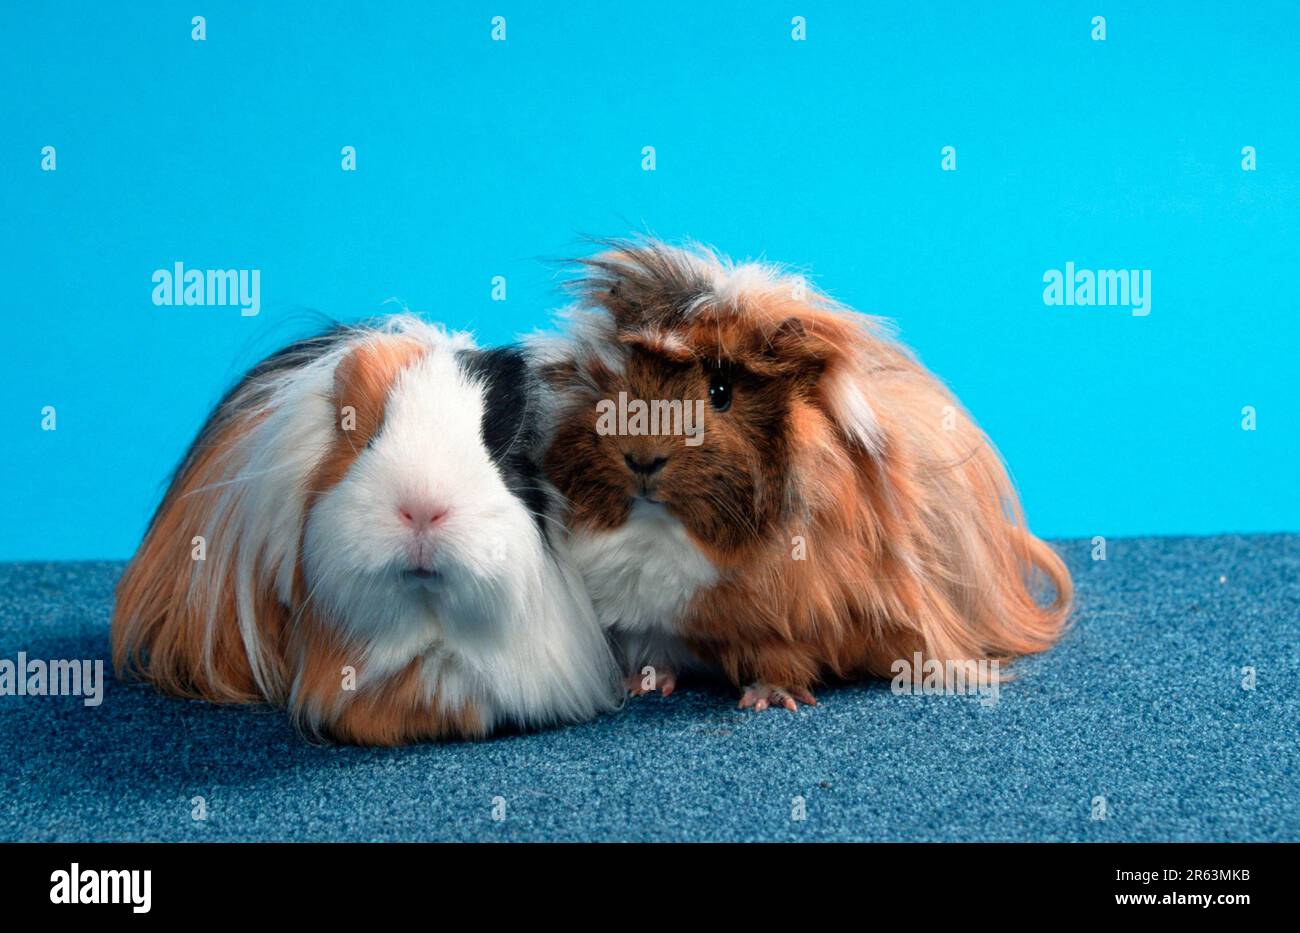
{"points": [[1142, 704]]}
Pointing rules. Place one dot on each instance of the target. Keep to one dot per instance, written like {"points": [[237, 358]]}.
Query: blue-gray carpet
{"points": [[1142, 704]]}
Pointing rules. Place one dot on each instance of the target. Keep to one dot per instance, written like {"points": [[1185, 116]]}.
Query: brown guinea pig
{"points": [[821, 508]]}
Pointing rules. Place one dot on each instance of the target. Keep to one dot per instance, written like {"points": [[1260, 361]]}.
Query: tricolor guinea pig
{"points": [[835, 511], [361, 533]]}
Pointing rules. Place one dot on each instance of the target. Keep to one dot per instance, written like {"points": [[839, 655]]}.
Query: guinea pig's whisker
{"points": [[301, 609], [730, 512], [545, 517], [519, 430], [554, 521]]}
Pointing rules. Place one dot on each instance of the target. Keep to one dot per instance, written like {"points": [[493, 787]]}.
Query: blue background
{"points": [[478, 158]]}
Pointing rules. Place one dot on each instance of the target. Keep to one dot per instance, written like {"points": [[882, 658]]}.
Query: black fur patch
{"points": [[511, 426]]}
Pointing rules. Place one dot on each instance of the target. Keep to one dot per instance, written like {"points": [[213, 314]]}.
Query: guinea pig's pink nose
{"points": [[420, 515]]}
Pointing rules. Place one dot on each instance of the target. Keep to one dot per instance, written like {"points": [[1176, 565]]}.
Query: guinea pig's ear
{"points": [[836, 352], [658, 342], [794, 345]]}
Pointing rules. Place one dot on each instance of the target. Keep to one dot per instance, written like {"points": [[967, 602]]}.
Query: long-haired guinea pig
{"points": [[837, 512], [361, 533]]}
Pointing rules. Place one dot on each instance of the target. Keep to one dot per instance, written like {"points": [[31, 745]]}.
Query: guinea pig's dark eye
{"points": [[720, 389]]}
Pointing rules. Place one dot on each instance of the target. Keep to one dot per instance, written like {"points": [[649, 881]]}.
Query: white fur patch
{"points": [[506, 627], [851, 410], [641, 577]]}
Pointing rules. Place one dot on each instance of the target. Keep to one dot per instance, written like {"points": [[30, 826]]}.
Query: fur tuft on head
{"points": [[773, 319]]}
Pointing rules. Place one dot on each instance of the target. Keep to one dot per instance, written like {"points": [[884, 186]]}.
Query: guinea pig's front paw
{"points": [[760, 696], [651, 679]]}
